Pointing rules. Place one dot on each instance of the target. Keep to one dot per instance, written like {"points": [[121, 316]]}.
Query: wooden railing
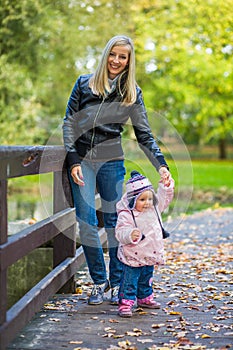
{"points": [[19, 161]]}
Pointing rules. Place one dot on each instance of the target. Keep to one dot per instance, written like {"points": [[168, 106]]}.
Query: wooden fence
{"points": [[19, 161]]}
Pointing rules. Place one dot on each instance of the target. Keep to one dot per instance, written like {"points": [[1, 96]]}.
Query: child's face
{"points": [[144, 201]]}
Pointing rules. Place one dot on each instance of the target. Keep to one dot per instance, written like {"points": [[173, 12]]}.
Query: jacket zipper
{"points": [[94, 123]]}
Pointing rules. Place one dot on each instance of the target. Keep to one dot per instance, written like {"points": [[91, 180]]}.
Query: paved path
{"points": [[194, 288]]}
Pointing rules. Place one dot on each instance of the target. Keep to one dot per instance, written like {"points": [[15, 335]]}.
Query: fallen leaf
{"points": [[133, 334], [145, 341], [107, 335], [184, 341], [157, 325], [204, 336], [175, 313], [124, 343], [79, 290], [116, 336], [113, 321], [54, 319]]}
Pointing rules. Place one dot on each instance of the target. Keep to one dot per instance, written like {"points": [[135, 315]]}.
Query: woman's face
{"points": [[117, 60]]}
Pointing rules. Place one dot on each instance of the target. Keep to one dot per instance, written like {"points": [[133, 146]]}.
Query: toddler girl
{"points": [[139, 233]]}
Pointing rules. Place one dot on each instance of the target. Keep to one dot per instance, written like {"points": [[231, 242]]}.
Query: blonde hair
{"points": [[99, 82]]}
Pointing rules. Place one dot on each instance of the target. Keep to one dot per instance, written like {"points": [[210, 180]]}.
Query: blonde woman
{"points": [[99, 106]]}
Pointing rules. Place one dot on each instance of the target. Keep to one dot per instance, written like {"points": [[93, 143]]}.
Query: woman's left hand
{"points": [[165, 176]]}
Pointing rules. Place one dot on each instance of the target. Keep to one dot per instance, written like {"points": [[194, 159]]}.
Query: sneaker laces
{"points": [[95, 289], [115, 291], [98, 288]]}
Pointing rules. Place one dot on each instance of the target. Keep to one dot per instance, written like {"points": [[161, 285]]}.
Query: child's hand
{"points": [[135, 235]]}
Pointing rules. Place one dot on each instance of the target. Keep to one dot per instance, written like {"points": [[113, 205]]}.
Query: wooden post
{"points": [[19, 161], [3, 239], [64, 245]]}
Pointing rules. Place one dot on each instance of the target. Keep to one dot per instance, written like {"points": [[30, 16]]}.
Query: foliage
{"points": [[189, 65], [44, 46], [183, 52], [21, 30]]}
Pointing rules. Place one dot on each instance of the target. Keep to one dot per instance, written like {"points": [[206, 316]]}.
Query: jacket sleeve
{"points": [[124, 227], [69, 132], [165, 195], [144, 134]]}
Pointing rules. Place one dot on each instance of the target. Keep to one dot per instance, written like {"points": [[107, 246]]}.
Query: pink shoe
{"points": [[148, 302], [125, 308]]}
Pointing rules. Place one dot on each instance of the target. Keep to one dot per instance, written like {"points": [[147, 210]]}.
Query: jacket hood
{"points": [[124, 204]]}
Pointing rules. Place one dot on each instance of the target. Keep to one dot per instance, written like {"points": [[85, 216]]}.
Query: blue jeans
{"points": [[136, 282], [108, 178]]}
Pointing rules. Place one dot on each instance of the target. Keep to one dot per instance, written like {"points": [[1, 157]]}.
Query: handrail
{"points": [[19, 161]]}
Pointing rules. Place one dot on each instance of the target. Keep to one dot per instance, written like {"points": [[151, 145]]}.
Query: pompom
{"points": [[134, 173]]}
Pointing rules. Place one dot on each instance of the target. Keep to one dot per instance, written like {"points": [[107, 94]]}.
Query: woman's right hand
{"points": [[165, 176], [77, 175]]}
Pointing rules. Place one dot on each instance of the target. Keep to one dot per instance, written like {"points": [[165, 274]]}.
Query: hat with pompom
{"points": [[135, 186]]}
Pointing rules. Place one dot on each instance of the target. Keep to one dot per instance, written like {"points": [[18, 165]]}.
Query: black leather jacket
{"points": [[92, 126]]}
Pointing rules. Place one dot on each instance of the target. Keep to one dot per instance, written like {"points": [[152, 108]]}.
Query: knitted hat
{"points": [[135, 186]]}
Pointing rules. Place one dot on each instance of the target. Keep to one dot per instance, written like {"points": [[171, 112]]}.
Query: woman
{"points": [[98, 107]]}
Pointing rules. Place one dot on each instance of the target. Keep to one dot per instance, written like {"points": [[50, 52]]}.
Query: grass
{"points": [[200, 174], [213, 174], [198, 184]]}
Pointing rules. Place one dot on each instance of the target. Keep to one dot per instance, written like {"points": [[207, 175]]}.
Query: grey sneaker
{"points": [[114, 295], [97, 293]]}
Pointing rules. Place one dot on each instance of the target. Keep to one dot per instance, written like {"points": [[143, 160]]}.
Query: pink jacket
{"points": [[149, 250]]}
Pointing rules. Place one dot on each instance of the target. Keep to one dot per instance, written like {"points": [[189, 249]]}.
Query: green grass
{"points": [[200, 174], [213, 174], [198, 184]]}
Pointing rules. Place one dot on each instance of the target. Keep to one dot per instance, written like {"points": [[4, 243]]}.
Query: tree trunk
{"points": [[222, 149]]}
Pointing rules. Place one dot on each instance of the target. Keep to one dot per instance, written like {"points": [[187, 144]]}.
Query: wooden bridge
{"points": [[195, 295], [61, 227]]}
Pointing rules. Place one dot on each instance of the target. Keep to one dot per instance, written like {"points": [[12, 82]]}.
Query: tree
{"points": [[45, 46], [183, 53], [21, 31], [187, 61]]}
